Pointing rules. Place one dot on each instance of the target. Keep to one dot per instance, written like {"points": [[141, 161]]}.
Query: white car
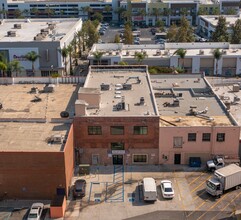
{"points": [[167, 189], [36, 211]]}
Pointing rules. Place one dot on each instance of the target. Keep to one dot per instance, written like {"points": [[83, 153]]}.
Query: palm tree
{"points": [[181, 53], [49, 12], [64, 54], [34, 11], [15, 67], [32, 57], [87, 10], [156, 13], [70, 53], [140, 56], [98, 55], [217, 55]]}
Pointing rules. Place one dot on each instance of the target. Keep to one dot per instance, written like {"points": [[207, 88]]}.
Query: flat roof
{"points": [[33, 27], [116, 77], [223, 88], [213, 19], [165, 51], [26, 125], [190, 91]]}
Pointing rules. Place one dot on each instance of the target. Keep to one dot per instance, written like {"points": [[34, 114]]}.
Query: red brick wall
{"points": [[95, 142], [31, 174], [69, 158]]}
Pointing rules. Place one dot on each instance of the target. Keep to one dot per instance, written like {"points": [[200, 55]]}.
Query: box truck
{"points": [[224, 179], [149, 189]]}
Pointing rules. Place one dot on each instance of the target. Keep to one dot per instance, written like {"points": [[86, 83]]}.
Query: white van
{"points": [[149, 189]]}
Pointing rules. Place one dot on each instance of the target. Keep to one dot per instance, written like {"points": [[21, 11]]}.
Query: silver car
{"points": [[35, 211]]}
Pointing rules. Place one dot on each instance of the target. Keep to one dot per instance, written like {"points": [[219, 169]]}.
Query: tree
{"points": [[34, 11], [17, 13], [32, 57], [123, 63], [217, 55], [98, 55], [172, 33], [26, 12], [160, 25], [64, 54], [231, 11], [3, 68], [128, 35], [49, 12], [16, 67], [156, 13], [87, 10], [185, 32], [202, 11], [236, 32], [220, 34], [90, 35], [181, 53], [117, 38], [98, 16], [140, 56], [120, 12], [216, 11]]}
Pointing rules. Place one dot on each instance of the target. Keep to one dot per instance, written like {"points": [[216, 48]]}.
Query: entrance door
{"points": [[177, 158], [117, 159]]}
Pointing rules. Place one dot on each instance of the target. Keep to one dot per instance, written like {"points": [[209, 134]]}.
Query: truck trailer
{"points": [[149, 189], [224, 179]]}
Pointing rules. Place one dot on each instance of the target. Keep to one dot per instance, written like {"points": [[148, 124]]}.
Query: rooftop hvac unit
{"points": [[104, 87], [142, 101], [45, 30], [127, 86], [17, 26], [12, 34]]}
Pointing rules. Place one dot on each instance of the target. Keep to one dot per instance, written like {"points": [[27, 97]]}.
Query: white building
{"points": [[44, 36], [198, 59], [208, 23]]}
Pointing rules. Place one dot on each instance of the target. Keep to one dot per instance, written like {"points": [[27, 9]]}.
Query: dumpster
{"points": [[195, 162]]}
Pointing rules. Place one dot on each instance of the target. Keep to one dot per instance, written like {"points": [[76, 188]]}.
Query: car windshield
{"points": [[168, 189], [32, 215], [211, 185], [78, 190]]}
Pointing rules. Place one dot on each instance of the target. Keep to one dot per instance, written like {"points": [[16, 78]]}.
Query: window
{"points": [[191, 136], [94, 130], [140, 129], [139, 158], [177, 141], [117, 130], [117, 146], [206, 136], [220, 137]]}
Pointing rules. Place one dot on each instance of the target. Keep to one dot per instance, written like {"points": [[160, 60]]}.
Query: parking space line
{"points": [[221, 199], [195, 179], [227, 205], [180, 194], [197, 208], [196, 197], [200, 184]]}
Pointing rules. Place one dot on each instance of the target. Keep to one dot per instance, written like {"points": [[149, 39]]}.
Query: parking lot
{"points": [[145, 38], [113, 194]]}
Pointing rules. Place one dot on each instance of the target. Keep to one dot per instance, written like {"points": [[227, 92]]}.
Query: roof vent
{"points": [[12, 34], [17, 26], [104, 87], [127, 86], [142, 101], [55, 139], [201, 52]]}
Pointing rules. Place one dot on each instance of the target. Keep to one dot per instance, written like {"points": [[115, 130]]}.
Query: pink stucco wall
{"points": [[205, 150]]}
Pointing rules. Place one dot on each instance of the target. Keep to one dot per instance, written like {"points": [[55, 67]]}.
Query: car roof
{"points": [[166, 183], [80, 182], [37, 204]]}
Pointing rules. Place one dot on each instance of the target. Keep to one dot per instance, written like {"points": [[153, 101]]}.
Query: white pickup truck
{"points": [[219, 161]]}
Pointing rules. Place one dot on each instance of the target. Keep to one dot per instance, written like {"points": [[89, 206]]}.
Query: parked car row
{"points": [[150, 189], [103, 28]]}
